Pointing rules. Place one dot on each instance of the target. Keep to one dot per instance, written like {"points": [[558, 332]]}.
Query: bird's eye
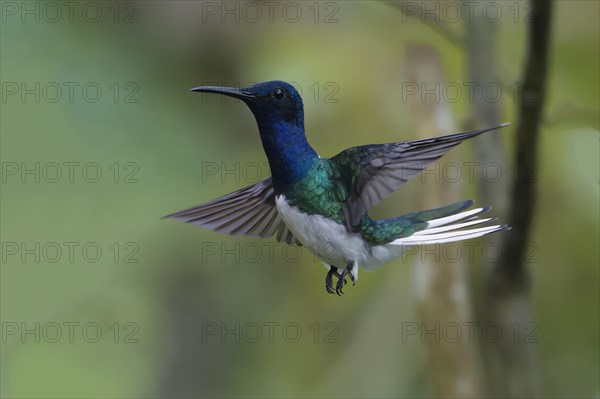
{"points": [[279, 94]]}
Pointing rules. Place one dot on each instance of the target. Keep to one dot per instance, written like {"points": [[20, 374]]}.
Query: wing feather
{"points": [[250, 211], [373, 172]]}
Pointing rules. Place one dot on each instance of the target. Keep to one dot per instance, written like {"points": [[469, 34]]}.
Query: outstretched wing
{"points": [[372, 172], [250, 211]]}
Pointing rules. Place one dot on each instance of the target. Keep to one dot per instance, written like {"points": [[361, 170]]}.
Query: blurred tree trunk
{"points": [[480, 45], [510, 363], [508, 282], [441, 286]]}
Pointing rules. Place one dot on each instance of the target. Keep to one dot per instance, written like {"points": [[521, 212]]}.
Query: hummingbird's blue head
{"points": [[278, 110], [271, 102]]}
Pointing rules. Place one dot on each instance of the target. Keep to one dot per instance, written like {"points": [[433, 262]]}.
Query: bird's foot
{"points": [[341, 282], [351, 274], [347, 272], [333, 271]]}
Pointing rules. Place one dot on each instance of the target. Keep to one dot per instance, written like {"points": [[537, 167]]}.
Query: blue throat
{"points": [[289, 154]]}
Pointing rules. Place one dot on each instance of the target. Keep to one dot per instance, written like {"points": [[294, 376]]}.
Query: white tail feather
{"points": [[450, 228], [447, 236], [454, 218], [435, 230]]}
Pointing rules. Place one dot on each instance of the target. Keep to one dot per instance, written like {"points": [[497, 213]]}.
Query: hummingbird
{"points": [[322, 203]]}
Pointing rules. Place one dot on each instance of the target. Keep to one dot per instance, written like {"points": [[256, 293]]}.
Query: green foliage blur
{"points": [[144, 310]]}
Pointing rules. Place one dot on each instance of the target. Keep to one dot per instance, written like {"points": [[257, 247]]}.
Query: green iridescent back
{"points": [[324, 188]]}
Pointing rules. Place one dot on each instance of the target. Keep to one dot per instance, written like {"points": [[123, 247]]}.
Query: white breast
{"points": [[325, 238]]}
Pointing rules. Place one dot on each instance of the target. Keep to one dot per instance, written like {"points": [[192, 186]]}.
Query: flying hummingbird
{"points": [[322, 203]]}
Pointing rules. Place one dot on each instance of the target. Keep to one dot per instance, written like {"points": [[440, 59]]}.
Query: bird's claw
{"points": [[329, 280], [341, 280]]}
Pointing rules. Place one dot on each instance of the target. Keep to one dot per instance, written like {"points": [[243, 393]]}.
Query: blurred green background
{"points": [[158, 287]]}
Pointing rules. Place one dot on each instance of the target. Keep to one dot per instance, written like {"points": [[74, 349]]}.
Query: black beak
{"points": [[226, 91]]}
